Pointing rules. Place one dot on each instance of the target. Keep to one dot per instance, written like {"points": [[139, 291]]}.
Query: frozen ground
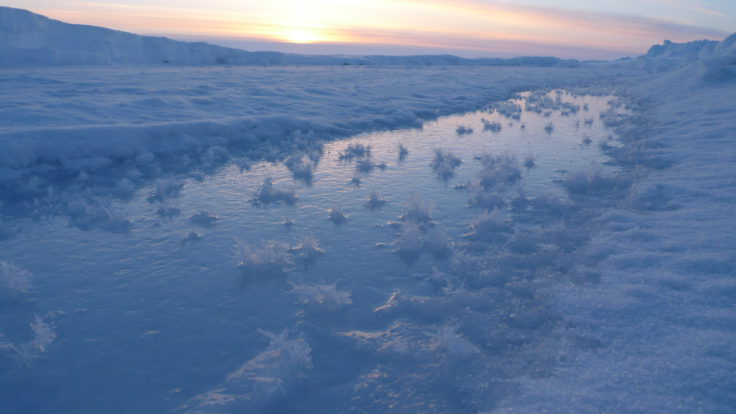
{"points": [[209, 240]]}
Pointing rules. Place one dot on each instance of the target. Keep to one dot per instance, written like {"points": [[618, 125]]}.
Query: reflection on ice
{"points": [[457, 296]]}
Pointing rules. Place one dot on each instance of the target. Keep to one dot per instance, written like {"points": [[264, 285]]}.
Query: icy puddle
{"points": [[399, 270]]}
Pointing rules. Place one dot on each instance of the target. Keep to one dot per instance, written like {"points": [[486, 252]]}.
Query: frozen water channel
{"points": [[397, 269]]}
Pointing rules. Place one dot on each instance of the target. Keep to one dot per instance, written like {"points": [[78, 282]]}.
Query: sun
{"points": [[301, 35]]}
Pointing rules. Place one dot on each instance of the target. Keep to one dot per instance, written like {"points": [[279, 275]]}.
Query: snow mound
{"points": [[671, 55], [722, 66], [710, 60]]}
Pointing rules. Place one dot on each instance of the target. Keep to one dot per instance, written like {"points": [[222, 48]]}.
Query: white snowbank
{"points": [[649, 308]]}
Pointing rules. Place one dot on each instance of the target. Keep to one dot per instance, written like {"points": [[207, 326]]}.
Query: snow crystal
{"points": [[165, 189], [336, 216], [529, 162], [410, 243], [489, 227], [491, 126], [592, 181], [444, 163], [327, 296], [438, 243], [508, 109], [25, 353], [203, 219], [14, 277], [308, 250], [448, 340], [92, 215], [262, 260], [355, 150], [366, 165], [375, 201], [498, 171], [417, 211], [403, 152], [267, 194], [167, 210], [301, 169], [192, 237]]}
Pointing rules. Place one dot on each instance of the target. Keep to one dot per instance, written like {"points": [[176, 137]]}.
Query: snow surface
{"points": [[153, 219]]}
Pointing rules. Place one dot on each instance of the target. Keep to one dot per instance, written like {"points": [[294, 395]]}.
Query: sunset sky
{"points": [[564, 28]]}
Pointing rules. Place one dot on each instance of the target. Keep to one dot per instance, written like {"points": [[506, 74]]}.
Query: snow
{"points": [[540, 274]]}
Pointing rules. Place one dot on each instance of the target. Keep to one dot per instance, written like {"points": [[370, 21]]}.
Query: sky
{"points": [[472, 28]]}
